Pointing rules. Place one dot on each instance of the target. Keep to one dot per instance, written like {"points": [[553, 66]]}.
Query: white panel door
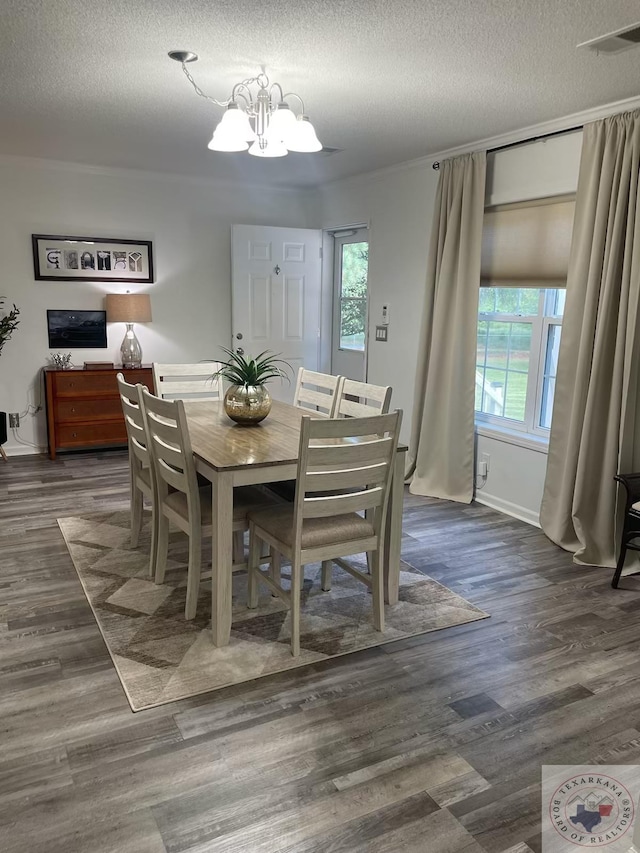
{"points": [[275, 287]]}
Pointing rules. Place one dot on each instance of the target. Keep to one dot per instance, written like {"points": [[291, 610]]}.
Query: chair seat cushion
{"points": [[278, 522], [245, 498]]}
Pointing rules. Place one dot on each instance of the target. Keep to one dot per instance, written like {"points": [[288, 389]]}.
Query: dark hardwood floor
{"points": [[432, 744]]}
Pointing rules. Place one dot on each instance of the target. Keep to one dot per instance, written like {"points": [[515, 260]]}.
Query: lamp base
{"points": [[131, 350]]}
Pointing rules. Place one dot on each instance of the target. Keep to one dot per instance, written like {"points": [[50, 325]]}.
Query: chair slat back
{"points": [[318, 392], [132, 409], [170, 445], [361, 399], [354, 454], [187, 381]]}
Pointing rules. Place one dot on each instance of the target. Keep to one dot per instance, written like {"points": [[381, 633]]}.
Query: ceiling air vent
{"points": [[615, 42]]}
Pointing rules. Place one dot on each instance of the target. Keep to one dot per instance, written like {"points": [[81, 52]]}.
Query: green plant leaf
{"points": [[257, 370], [8, 323]]}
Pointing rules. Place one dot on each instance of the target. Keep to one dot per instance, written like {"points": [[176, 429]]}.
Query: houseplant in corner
{"points": [[8, 323], [247, 400]]}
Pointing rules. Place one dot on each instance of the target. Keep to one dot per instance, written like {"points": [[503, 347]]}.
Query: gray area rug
{"points": [[160, 657]]}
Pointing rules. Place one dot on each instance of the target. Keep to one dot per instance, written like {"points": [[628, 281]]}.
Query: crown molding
{"points": [[19, 160], [523, 135]]}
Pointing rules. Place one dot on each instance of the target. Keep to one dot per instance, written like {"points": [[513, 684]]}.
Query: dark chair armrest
{"points": [[631, 482]]}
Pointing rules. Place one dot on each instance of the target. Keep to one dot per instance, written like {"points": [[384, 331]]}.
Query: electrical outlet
{"points": [[14, 420], [485, 464]]}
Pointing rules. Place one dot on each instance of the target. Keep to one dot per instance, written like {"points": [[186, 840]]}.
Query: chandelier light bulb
{"points": [[281, 123], [236, 122], [222, 141], [303, 138], [273, 148]]}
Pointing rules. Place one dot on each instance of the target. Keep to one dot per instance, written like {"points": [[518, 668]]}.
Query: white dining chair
{"points": [[318, 392], [179, 498], [362, 399], [345, 467], [142, 478], [187, 381]]}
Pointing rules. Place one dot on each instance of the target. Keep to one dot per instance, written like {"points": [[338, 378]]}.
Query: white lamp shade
{"points": [[236, 122], [273, 149], [222, 141], [281, 123], [303, 137]]}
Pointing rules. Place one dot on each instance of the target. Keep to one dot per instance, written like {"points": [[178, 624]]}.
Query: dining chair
{"points": [[318, 392], [324, 524], [361, 399], [179, 498], [187, 381], [142, 478], [631, 523]]}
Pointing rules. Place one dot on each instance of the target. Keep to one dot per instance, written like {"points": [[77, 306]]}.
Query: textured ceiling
{"points": [[384, 80]]}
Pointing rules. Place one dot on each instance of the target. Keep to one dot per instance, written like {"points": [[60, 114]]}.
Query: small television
{"points": [[77, 329]]}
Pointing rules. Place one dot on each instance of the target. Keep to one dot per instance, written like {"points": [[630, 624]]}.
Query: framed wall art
{"points": [[91, 259], [77, 329]]}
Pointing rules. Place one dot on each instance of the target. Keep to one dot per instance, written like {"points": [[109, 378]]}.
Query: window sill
{"points": [[512, 436]]}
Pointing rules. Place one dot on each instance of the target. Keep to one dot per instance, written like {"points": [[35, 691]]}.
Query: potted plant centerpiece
{"points": [[247, 400]]}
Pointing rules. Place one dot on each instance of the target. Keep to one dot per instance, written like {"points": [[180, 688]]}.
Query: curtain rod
{"points": [[553, 133]]}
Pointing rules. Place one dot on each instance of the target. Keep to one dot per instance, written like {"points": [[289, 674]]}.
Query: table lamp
{"points": [[129, 308]]}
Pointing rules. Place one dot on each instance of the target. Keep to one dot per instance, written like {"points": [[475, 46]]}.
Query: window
{"points": [[352, 296], [518, 340]]}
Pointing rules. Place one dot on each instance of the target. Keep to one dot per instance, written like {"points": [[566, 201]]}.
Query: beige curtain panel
{"points": [[595, 415], [527, 244], [441, 449]]}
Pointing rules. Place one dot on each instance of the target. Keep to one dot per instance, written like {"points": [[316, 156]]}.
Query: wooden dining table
{"points": [[229, 455]]}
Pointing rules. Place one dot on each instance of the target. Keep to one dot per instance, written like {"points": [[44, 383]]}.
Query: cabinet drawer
{"points": [[141, 375], [84, 409], [78, 383], [84, 435]]}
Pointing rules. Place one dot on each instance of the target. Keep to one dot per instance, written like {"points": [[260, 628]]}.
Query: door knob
{"points": [[239, 336], [240, 351]]}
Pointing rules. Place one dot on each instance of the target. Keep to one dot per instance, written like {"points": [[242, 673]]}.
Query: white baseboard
{"points": [[23, 450], [508, 508]]}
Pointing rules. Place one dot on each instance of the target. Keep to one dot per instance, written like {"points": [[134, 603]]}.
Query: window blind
{"points": [[527, 244]]}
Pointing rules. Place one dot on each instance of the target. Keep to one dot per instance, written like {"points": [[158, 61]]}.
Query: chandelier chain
{"points": [[202, 94]]}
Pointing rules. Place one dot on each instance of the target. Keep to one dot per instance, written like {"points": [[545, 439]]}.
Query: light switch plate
{"points": [[381, 333]]}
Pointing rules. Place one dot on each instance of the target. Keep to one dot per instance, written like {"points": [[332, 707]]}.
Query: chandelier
{"points": [[276, 128]]}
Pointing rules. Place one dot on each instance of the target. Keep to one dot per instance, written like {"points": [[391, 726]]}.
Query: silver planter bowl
{"points": [[247, 404]]}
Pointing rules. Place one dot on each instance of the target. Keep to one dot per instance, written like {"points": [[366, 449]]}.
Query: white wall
{"points": [[189, 224], [398, 205]]}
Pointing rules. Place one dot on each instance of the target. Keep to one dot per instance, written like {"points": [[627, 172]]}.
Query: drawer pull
{"points": [[74, 435], [73, 408]]}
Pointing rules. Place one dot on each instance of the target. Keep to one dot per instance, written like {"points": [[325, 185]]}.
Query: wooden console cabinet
{"points": [[83, 407]]}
